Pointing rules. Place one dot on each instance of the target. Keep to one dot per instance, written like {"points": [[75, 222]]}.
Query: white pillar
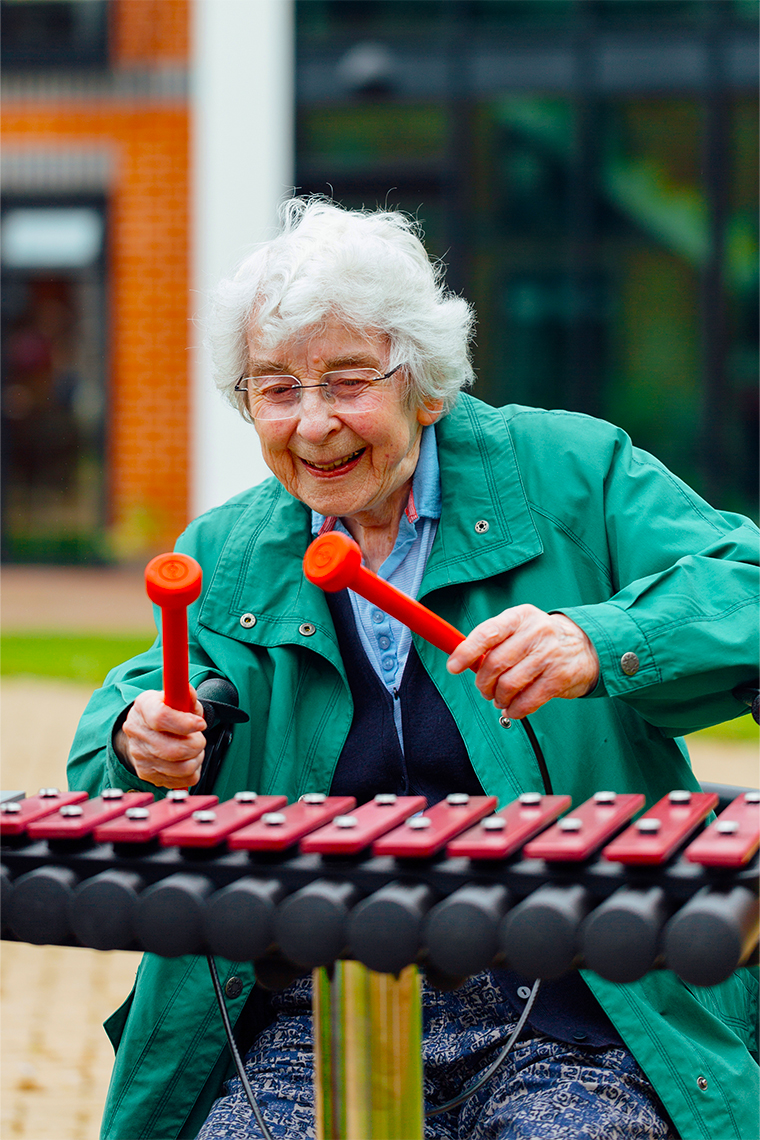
{"points": [[243, 144]]}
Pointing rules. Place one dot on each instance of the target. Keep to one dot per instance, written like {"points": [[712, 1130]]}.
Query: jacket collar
{"points": [[259, 571], [486, 525], [259, 594]]}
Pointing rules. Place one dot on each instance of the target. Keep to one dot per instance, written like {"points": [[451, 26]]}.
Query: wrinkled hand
{"points": [[528, 658], [163, 746]]}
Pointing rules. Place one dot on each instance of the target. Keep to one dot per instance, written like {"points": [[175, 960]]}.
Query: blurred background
{"points": [[586, 169]]}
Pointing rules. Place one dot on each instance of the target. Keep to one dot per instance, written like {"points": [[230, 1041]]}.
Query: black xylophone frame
{"points": [[457, 887]]}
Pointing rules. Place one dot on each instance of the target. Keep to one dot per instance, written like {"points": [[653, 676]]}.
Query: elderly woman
{"points": [[585, 571]]}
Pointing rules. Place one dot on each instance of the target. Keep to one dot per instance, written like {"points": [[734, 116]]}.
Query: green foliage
{"points": [[73, 657]]}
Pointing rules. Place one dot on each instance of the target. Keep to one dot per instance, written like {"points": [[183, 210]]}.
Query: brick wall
{"points": [[149, 31]]}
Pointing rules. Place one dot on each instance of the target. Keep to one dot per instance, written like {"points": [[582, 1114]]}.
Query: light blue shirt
{"points": [[387, 641]]}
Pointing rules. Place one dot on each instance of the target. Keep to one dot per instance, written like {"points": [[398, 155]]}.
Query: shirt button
{"points": [[384, 642], [629, 663], [523, 992], [378, 616], [388, 664]]}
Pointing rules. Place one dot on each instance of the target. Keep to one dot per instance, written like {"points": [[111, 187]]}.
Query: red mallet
{"points": [[173, 582], [334, 561]]}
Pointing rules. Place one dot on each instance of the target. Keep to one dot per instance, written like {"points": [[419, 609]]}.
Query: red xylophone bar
{"points": [[173, 582]]}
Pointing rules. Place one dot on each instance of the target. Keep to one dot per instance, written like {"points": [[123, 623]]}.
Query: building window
{"points": [[53, 381], [50, 33]]}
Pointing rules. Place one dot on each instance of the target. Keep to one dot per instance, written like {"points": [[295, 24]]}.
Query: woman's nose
{"points": [[316, 415]]}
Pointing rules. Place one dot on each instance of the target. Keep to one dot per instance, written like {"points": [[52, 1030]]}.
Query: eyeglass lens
{"points": [[279, 397]]}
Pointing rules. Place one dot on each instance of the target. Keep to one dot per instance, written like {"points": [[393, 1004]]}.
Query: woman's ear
{"points": [[430, 412]]}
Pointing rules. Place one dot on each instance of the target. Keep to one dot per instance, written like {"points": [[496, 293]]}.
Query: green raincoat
{"points": [[578, 521]]}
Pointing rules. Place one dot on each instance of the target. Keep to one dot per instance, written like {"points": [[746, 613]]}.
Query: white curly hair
{"points": [[367, 268]]}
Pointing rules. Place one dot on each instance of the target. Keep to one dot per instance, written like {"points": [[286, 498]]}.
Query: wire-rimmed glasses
{"points": [[344, 389]]}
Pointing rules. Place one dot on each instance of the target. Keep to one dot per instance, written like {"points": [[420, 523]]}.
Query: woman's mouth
{"points": [[335, 466]]}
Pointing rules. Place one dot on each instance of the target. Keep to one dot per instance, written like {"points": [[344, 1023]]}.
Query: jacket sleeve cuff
{"points": [[626, 659]]}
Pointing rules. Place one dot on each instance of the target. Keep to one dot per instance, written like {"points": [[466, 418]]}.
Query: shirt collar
{"points": [[425, 496]]}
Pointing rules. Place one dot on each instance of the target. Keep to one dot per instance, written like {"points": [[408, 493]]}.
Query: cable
{"points": [[543, 767], [481, 1080], [506, 722], [234, 1050]]}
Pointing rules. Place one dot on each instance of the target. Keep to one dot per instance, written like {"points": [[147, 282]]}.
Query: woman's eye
{"points": [[347, 383], [277, 391]]}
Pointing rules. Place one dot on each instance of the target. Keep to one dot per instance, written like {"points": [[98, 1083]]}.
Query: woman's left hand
{"points": [[528, 658]]}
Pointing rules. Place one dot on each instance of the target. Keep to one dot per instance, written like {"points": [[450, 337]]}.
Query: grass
{"points": [[741, 731], [70, 657], [87, 658]]}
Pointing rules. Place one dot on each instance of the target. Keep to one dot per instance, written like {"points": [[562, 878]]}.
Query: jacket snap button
{"points": [[233, 987], [629, 663], [702, 1083], [523, 992], [481, 526], [307, 629], [248, 620]]}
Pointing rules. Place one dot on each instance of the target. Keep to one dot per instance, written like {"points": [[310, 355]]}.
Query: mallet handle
{"points": [[334, 561], [173, 582]]}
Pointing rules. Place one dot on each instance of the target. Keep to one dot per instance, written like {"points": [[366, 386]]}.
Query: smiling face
{"points": [[356, 465]]}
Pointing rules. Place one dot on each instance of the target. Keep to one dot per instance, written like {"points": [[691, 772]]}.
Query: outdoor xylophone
{"points": [[363, 895], [458, 885]]}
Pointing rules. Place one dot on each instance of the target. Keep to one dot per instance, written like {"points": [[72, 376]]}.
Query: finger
{"points": [[483, 638], [163, 719], [526, 701], [520, 659], [160, 746], [167, 719], [530, 651], [160, 717], [502, 685], [169, 774], [523, 690]]}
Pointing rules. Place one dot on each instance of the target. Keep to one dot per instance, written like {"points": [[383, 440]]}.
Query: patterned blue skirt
{"points": [[545, 1089]]}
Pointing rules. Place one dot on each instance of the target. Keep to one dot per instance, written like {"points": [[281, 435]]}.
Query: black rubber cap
{"points": [[102, 909], [273, 972], [621, 937], [385, 930], [39, 906], [311, 925], [239, 920], [540, 937], [5, 898], [169, 916], [461, 931], [711, 935]]}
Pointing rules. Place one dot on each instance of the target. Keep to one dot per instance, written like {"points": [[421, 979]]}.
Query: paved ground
{"points": [[63, 598], [56, 1059]]}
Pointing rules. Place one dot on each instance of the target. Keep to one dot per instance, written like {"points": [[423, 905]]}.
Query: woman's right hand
{"points": [[161, 745]]}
